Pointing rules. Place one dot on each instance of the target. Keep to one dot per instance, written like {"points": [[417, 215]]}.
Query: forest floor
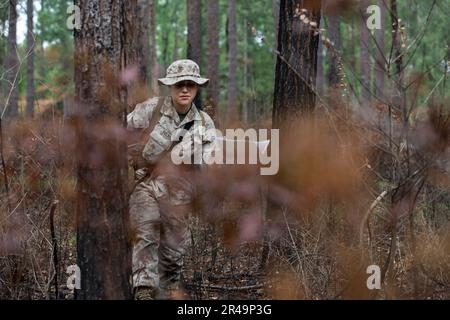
{"points": [[214, 271]]}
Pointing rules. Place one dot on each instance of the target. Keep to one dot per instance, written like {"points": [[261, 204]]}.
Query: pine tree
{"points": [[296, 66], [104, 47]]}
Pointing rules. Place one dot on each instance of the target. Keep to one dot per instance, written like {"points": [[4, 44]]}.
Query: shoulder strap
{"points": [[156, 115], [203, 118]]}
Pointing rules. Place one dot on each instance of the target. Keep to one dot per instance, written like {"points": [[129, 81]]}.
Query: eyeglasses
{"points": [[187, 84]]}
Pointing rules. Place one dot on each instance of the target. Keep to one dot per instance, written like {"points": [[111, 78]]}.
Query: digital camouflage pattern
{"points": [[182, 70], [161, 203]]}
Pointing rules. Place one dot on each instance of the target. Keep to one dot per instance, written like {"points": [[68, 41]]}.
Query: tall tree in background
{"points": [[296, 66], [168, 21], [12, 64], [175, 37], [380, 57], [232, 62], [143, 33], [194, 39], [365, 41], [104, 46], [153, 58], [245, 98], [334, 31], [213, 56], [30, 59]]}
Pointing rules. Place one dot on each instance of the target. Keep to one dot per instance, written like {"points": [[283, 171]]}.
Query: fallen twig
{"points": [[225, 288]]}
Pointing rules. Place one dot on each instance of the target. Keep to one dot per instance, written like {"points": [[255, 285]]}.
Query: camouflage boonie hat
{"points": [[182, 70]]}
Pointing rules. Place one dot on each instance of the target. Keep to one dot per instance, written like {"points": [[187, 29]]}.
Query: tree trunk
{"points": [[175, 40], [194, 41], [380, 69], [334, 29], [165, 35], [365, 54], [103, 48], [30, 59], [213, 56], [170, 20], [12, 65], [245, 106], [296, 63], [232, 114], [143, 23], [153, 59]]}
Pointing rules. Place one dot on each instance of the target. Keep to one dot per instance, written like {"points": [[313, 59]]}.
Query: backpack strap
{"points": [[156, 115], [203, 118]]}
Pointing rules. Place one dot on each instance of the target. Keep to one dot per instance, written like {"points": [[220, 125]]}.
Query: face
{"points": [[183, 93]]}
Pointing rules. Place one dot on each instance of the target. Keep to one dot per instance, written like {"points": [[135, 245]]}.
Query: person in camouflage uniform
{"points": [[161, 199]]}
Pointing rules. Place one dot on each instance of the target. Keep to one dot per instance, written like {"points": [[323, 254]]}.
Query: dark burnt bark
{"points": [[296, 66], [104, 46]]}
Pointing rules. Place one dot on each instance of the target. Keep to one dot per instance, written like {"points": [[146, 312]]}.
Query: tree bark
{"points": [[296, 66], [194, 22], [153, 59], [12, 65], [143, 22], [104, 47], [194, 40], [30, 59], [365, 54], [334, 29], [245, 105], [165, 36], [213, 56], [232, 113]]}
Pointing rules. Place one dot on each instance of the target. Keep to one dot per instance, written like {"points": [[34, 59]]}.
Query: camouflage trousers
{"points": [[159, 221]]}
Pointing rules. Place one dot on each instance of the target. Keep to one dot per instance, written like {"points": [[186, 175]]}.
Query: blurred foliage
{"points": [[329, 178]]}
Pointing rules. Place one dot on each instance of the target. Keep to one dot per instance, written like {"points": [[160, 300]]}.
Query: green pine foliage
{"points": [[426, 40]]}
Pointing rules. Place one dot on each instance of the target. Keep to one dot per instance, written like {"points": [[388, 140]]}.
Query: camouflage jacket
{"points": [[166, 133]]}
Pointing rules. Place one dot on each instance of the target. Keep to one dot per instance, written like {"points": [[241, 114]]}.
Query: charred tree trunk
{"points": [[30, 59], [143, 22], [12, 65], [213, 56], [232, 113], [194, 41], [296, 66], [104, 46]]}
